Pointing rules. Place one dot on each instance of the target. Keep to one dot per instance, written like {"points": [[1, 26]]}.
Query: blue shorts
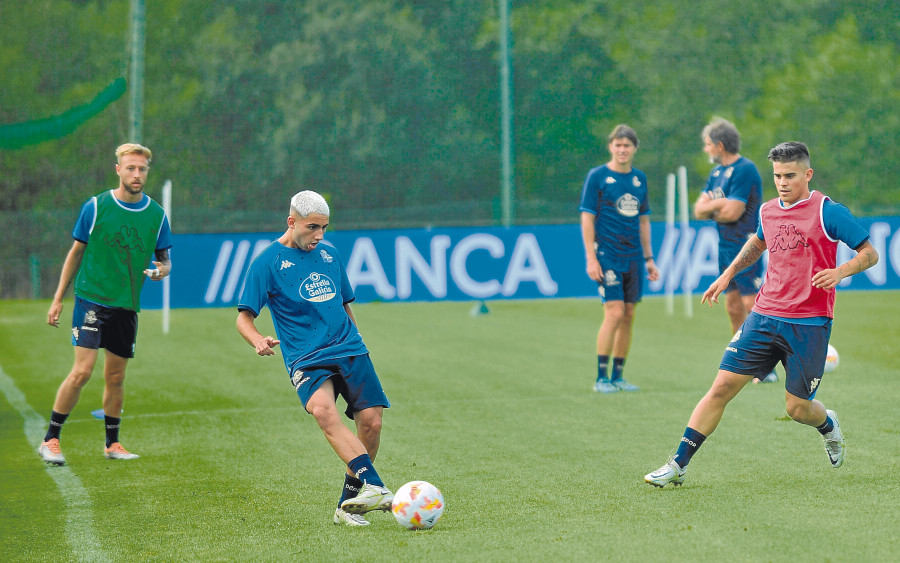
{"points": [[747, 281], [763, 341], [96, 326], [354, 379], [622, 285]]}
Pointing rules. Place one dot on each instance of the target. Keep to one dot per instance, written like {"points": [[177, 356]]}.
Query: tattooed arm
{"points": [[751, 252], [866, 257]]}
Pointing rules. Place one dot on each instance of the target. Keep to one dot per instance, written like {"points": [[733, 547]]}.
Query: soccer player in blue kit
{"points": [[304, 283], [791, 320], [731, 198], [615, 228]]}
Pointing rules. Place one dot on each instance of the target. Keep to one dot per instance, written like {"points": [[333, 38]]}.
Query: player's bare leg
{"points": [[113, 396], [621, 346], [114, 384], [70, 390], [322, 406], [708, 412]]}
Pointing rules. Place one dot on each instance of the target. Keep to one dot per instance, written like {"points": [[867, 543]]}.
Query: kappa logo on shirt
{"points": [[788, 238], [814, 383], [610, 180], [317, 288], [285, 264]]}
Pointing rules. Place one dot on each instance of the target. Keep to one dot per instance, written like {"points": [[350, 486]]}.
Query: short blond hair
{"points": [[133, 148], [306, 202]]}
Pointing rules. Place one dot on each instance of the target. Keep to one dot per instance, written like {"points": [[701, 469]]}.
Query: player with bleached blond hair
{"points": [[304, 282], [117, 234]]}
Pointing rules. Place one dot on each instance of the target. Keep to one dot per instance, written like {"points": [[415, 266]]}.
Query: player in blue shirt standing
{"points": [[615, 228], [304, 283], [731, 198]]}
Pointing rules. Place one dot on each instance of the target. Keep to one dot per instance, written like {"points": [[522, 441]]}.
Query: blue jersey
{"points": [[617, 200], [305, 292], [85, 223], [739, 181]]}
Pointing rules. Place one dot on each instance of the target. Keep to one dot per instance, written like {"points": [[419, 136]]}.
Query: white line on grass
{"points": [[79, 508]]}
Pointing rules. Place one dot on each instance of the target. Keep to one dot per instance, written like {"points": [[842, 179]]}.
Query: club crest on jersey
{"points": [[635, 182], [729, 171], [317, 288], [628, 205], [609, 278], [325, 256], [90, 317]]}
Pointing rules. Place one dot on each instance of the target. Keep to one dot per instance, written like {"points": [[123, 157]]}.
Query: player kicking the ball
{"points": [[304, 283], [791, 320]]}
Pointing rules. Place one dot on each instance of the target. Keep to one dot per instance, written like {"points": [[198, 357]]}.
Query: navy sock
{"points": [[364, 470], [112, 429], [618, 367], [352, 485], [55, 426], [690, 443], [602, 363], [826, 426]]}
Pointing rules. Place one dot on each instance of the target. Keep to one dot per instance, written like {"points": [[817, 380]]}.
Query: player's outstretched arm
{"points": [[750, 253], [866, 257], [246, 326], [70, 268]]}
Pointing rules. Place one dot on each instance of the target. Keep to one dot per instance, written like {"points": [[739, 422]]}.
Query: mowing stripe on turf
{"points": [[79, 508]]}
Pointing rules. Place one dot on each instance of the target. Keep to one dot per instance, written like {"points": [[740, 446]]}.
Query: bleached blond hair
{"points": [[306, 202]]}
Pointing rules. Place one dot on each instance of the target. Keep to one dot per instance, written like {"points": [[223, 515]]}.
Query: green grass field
{"points": [[496, 410]]}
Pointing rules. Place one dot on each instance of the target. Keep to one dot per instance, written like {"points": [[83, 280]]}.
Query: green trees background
{"points": [[391, 107]]}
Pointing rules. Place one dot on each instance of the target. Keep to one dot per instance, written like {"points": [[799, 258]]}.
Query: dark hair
{"points": [[723, 131], [790, 151], [623, 131]]}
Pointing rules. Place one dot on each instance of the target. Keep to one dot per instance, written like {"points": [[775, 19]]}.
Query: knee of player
{"points": [[79, 376]]}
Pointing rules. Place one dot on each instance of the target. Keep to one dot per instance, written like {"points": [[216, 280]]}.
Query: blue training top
{"points": [[617, 200], [305, 292], [740, 181]]}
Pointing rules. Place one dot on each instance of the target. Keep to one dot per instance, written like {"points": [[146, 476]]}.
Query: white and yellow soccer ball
{"points": [[418, 505], [831, 359]]}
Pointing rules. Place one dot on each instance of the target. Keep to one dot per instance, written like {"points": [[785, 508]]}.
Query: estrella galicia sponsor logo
{"points": [[628, 205], [317, 288], [298, 379]]}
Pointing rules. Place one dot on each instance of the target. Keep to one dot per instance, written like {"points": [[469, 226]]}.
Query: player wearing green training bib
{"points": [[116, 236]]}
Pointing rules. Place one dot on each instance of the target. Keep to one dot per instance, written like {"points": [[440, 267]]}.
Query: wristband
{"points": [[648, 258]]}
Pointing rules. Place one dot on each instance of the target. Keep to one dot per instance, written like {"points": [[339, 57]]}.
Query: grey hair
{"points": [[306, 202], [723, 131]]}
